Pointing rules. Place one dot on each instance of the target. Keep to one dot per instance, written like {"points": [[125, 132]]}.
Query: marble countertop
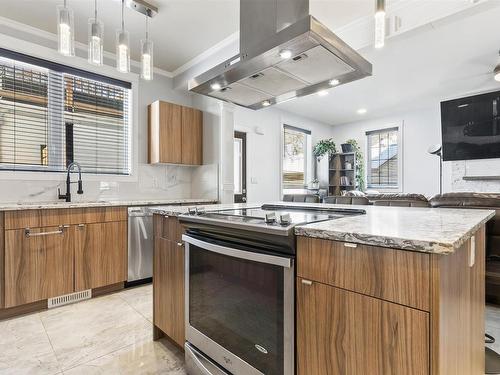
{"points": [[431, 230], [101, 203]]}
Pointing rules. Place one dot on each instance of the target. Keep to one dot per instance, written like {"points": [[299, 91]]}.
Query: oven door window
{"points": [[238, 304]]}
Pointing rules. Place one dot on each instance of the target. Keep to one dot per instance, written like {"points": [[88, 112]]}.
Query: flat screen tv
{"points": [[471, 127]]}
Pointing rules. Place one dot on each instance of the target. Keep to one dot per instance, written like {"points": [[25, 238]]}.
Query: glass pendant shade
{"points": [[65, 31], [95, 41], [380, 24], [146, 59], [122, 51]]}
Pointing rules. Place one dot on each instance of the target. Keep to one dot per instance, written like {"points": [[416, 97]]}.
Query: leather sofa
{"points": [[478, 201], [303, 198], [338, 199], [401, 203]]}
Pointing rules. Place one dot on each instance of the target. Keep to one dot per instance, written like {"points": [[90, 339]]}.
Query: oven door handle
{"points": [[236, 253]]}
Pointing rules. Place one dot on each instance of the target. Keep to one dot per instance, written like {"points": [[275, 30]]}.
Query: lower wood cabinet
{"points": [[38, 264], [169, 289], [168, 279], [341, 332], [100, 254], [87, 249]]}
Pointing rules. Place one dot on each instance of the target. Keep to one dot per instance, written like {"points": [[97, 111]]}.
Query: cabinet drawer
{"points": [[394, 275], [63, 216], [341, 332], [168, 228]]}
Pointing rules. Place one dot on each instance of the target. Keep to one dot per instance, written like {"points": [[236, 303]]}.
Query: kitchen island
{"points": [[394, 291]]}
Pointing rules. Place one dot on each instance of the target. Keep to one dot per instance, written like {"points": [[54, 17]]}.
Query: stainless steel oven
{"points": [[239, 307]]}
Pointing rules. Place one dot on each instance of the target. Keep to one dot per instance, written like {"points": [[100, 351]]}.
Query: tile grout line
{"points": [[136, 310], [51, 345]]}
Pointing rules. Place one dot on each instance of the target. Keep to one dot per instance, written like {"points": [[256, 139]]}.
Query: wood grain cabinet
{"points": [[175, 134], [168, 279], [79, 249], [373, 310], [38, 264], [100, 254]]}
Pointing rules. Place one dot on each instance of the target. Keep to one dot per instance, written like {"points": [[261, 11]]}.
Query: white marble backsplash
{"points": [[459, 169], [153, 182]]}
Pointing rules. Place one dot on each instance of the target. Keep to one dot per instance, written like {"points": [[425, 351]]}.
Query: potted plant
{"points": [[360, 165], [323, 147], [347, 147]]}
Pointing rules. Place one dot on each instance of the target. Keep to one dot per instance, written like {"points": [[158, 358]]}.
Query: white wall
{"points": [[220, 120], [146, 182], [421, 129], [264, 151]]}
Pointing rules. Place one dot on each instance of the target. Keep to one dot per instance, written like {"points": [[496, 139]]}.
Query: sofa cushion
{"points": [[338, 199], [397, 196], [307, 198], [401, 203]]}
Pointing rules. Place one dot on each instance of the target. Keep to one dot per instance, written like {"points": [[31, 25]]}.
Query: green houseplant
{"points": [[324, 147], [360, 165]]}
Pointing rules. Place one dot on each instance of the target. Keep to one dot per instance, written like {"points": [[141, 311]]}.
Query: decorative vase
{"points": [[347, 147]]}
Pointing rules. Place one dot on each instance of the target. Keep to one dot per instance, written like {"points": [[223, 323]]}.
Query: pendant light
{"points": [[380, 23], [65, 31], [122, 47], [147, 55], [95, 39]]}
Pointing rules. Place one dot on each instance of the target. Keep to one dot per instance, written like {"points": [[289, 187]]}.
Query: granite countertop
{"points": [[431, 230], [101, 203]]}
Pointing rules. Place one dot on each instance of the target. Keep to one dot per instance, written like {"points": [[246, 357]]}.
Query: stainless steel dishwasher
{"points": [[140, 245]]}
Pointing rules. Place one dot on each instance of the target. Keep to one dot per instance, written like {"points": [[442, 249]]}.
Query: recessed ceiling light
{"points": [[361, 111], [286, 54], [322, 93], [334, 82], [215, 86], [266, 103]]}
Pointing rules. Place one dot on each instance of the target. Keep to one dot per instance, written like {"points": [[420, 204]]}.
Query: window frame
{"points": [[307, 162], [398, 128], [81, 64]]}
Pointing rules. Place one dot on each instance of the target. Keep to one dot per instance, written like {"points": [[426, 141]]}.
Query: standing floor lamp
{"points": [[437, 150]]}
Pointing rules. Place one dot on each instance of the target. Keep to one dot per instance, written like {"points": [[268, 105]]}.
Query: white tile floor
{"points": [[106, 335]]}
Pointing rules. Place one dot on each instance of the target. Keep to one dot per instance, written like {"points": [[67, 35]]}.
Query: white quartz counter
{"points": [[111, 203], [432, 230]]}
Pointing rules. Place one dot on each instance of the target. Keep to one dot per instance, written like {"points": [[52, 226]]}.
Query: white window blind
{"points": [[383, 158], [52, 115], [295, 149]]}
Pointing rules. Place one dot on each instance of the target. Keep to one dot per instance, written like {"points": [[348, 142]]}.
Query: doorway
{"points": [[240, 167]]}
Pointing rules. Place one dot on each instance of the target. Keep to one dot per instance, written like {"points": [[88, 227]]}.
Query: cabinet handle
{"points": [[81, 226], [180, 244], [307, 282], [348, 244], [166, 216], [28, 234]]}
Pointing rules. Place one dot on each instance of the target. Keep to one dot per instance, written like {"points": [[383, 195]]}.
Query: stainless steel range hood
{"points": [[284, 53]]}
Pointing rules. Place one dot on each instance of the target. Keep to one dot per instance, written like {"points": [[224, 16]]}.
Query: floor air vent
{"points": [[69, 298]]}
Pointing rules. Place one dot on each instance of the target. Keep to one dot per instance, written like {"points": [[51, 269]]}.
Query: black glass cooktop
{"points": [[296, 215]]}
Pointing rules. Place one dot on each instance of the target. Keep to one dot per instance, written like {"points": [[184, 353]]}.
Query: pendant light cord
{"points": [[95, 10], [147, 27]]}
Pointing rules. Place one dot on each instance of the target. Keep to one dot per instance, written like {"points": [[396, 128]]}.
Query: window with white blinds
{"points": [[52, 115]]}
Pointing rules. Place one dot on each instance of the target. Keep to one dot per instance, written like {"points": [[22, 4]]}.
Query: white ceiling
{"points": [[416, 69], [182, 30], [450, 58]]}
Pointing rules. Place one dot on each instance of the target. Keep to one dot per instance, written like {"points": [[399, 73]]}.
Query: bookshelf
{"points": [[342, 173]]}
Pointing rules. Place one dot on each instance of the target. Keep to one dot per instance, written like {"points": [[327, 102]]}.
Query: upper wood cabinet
{"points": [[175, 134]]}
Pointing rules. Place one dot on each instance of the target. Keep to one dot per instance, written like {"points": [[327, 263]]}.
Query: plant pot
{"points": [[347, 147]]}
